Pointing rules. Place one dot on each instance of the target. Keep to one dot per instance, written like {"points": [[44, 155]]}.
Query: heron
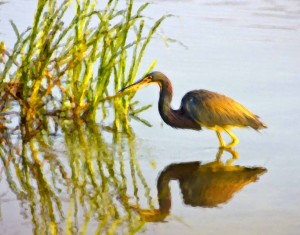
{"points": [[200, 108]]}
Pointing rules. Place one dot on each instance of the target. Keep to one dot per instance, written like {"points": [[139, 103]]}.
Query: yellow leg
{"points": [[222, 143], [235, 140]]}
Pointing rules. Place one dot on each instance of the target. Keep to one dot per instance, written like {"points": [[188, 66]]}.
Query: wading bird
{"points": [[200, 108]]}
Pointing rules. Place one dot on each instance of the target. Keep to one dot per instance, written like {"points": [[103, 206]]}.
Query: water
{"points": [[248, 50]]}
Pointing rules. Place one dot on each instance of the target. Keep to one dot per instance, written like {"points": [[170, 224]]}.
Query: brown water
{"points": [[248, 50]]}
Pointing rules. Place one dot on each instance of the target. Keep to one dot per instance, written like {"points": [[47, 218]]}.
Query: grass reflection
{"points": [[28, 162], [77, 184]]}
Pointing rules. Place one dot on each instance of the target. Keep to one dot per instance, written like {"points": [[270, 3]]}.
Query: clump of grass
{"points": [[68, 65], [66, 69]]}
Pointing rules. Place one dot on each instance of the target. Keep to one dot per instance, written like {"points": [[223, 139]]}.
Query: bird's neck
{"points": [[165, 98], [174, 118]]}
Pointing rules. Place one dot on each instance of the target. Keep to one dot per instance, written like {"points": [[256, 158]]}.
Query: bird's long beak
{"points": [[137, 85]]}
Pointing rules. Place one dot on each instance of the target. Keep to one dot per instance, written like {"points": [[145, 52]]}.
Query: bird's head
{"points": [[150, 78]]}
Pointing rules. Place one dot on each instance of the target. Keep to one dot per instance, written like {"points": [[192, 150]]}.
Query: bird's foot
{"points": [[226, 147], [234, 154], [232, 144]]}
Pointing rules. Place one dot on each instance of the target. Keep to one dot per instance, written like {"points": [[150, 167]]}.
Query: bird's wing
{"points": [[211, 109]]}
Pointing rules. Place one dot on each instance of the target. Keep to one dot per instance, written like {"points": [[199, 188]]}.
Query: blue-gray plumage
{"points": [[200, 108]]}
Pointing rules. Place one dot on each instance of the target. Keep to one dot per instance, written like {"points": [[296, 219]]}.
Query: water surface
{"points": [[248, 50]]}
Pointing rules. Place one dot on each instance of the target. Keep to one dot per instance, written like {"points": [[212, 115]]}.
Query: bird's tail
{"points": [[259, 124], [262, 126]]}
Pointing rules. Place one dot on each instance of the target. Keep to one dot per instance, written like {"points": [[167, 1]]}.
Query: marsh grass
{"points": [[60, 75], [72, 69]]}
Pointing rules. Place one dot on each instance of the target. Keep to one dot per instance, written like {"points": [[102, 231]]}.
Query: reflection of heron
{"points": [[207, 185], [200, 108]]}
